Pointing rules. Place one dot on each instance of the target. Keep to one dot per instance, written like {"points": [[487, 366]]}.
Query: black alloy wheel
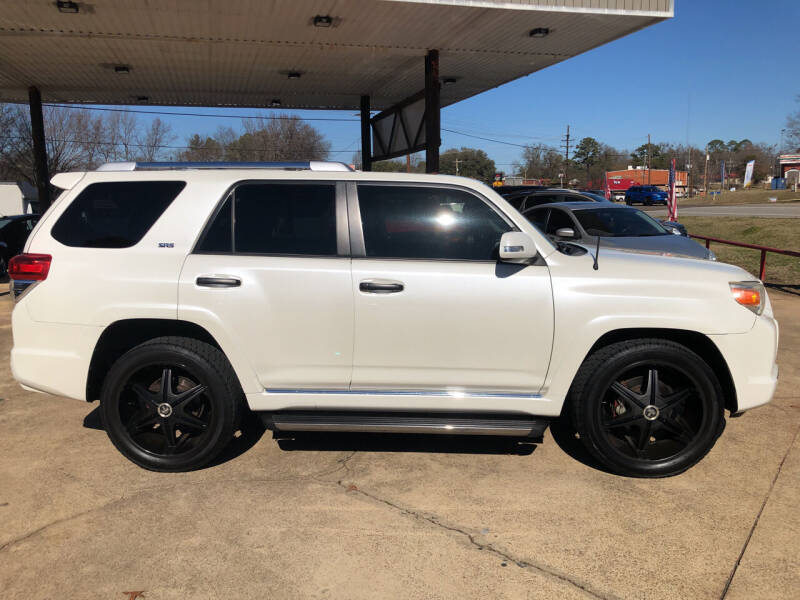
{"points": [[648, 408], [171, 404]]}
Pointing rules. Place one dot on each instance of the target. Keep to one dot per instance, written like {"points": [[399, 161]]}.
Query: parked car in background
{"points": [[14, 231], [619, 227], [524, 201], [645, 194]]}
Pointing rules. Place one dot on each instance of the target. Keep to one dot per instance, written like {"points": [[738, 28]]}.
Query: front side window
{"points": [[275, 218], [420, 222], [559, 220], [619, 222], [114, 214]]}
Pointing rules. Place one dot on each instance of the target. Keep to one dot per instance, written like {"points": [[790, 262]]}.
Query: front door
{"points": [[434, 309]]}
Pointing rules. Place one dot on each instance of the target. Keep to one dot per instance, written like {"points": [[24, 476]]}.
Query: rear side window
{"points": [[114, 214], [275, 218]]}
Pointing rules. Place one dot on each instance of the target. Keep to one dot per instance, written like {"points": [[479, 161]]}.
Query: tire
{"points": [[638, 429], [186, 427]]}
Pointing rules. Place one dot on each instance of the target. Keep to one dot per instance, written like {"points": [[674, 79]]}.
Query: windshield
{"points": [[618, 222]]}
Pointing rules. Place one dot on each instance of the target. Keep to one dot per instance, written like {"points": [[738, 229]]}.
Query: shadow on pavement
{"points": [[248, 435], [564, 435], [389, 442]]}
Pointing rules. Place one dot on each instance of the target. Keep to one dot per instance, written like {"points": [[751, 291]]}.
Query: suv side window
{"points": [[538, 217], [275, 218], [114, 214], [428, 223]]}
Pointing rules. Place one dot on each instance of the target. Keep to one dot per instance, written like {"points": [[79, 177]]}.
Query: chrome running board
{"points": [[389, 422]]}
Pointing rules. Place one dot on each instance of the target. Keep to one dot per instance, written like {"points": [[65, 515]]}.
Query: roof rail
{"points": [[311, 165]]}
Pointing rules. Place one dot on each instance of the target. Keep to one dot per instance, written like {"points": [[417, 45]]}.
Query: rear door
{"points": [[272, 273], [434, 309]]}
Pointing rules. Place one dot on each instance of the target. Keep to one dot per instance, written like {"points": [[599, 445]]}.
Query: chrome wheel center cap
{"points": [[164, 410], [651, 412]]}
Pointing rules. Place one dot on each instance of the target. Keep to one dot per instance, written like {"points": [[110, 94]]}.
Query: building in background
{"points": [[17, 198], [620, 181]]}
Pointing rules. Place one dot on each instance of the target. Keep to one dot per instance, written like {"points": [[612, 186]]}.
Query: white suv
{"points": [[332, 300]]}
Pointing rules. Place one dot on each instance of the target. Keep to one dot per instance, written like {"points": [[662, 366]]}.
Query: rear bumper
{"points": [[751, 359], [51, 357]]}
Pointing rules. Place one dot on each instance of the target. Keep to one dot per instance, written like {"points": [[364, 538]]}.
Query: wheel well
{"points": [[121, 336], [697, 342]]}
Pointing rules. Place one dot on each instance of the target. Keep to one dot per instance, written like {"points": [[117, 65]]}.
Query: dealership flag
{"points": [[672, 202], [748, 173], [606, 189]]}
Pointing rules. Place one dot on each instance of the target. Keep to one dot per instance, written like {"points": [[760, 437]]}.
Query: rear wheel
{"points": [[647, 408], [171, 404]]}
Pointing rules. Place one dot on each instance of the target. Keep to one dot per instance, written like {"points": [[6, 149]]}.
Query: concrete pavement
{"points": [[781, 211], [397, 517]]}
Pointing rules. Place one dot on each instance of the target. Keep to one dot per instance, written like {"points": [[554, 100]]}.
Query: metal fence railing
{"points": [[763, 249]]}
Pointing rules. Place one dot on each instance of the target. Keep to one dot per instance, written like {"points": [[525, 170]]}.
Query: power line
{"points": [[207, 115]]}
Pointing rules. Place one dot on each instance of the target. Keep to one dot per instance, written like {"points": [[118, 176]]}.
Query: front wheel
{"points": [[647, 408], [171, 404]]}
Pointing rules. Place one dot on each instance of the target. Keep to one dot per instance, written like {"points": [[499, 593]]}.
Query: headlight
{"points": [[750, 294], [711, 255]]}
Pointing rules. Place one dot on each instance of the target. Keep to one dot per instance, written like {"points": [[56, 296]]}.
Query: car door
{"points": [[434, 309], [271, 274]]}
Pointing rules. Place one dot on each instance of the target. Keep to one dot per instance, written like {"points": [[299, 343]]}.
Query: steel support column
{"points": [[432, 118], [40, 174], [366, 136]]}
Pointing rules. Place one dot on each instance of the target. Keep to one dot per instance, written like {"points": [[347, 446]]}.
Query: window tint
{"points": [[275, 218], [539, 199], [114, 214], [619, 222], [428, 222], [559, 219], [218, 238]]}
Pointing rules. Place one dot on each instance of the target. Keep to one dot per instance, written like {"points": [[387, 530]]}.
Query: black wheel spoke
{"points": [[146, 398], [652, 386], [644, 437], [168, 429], [622, 420], [142, 421], [629, 394], [677, 429], [184, 398], [166, 386], [674, 399], [189, 420]]}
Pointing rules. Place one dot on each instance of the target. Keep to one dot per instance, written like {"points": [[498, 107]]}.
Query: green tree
{"points": [[652, 153], [587, 154], [472, 163]]}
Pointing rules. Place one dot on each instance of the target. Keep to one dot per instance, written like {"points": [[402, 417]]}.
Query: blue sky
{"points": [[717, 70]]}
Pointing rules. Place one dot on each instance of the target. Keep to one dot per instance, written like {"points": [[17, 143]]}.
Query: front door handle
{"points": [[380, 286], [219, 282]]}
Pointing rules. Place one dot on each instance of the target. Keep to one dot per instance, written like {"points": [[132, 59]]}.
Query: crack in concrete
{"points": [[506, 556], [758, 517]]}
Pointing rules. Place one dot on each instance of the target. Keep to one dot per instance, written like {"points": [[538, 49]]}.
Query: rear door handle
{"points": [[219, 282], [380, 286]]}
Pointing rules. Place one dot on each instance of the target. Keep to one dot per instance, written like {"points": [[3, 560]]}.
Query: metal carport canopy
{"points": [[240, 52]]}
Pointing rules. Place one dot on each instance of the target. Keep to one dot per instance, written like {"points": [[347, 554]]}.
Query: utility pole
{"points": [[705, 177], [408, 163], [648, 159], [457, 161], [566, 158]]}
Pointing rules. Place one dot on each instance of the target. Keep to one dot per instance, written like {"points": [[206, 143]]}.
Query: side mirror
{"points": [[566, 232], [515, 246]]}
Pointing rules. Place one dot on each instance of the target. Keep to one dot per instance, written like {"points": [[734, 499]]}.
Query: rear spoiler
{"points": [[67, 181]]}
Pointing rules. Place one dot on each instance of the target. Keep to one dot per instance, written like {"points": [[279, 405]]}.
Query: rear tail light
{"points": [[29, 267], [750, 294]]}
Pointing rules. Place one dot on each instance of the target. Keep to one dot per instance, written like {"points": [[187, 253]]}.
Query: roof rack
{"points": [[311, 165]]}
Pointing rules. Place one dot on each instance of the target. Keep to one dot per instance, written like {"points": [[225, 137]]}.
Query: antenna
{"points": [[596, 253]]}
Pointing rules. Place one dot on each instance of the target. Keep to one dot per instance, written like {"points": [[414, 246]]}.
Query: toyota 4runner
{"points": [[324, 299]]}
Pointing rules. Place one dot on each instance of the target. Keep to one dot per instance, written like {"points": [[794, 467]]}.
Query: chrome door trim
{"points": [[441, 393]]}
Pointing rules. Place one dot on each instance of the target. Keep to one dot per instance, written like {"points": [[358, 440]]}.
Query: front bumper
{"points": [[751, 359]]}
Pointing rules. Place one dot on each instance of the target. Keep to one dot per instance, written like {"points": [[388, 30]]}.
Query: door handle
{"points": [[380, 286], [219, 282]]}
